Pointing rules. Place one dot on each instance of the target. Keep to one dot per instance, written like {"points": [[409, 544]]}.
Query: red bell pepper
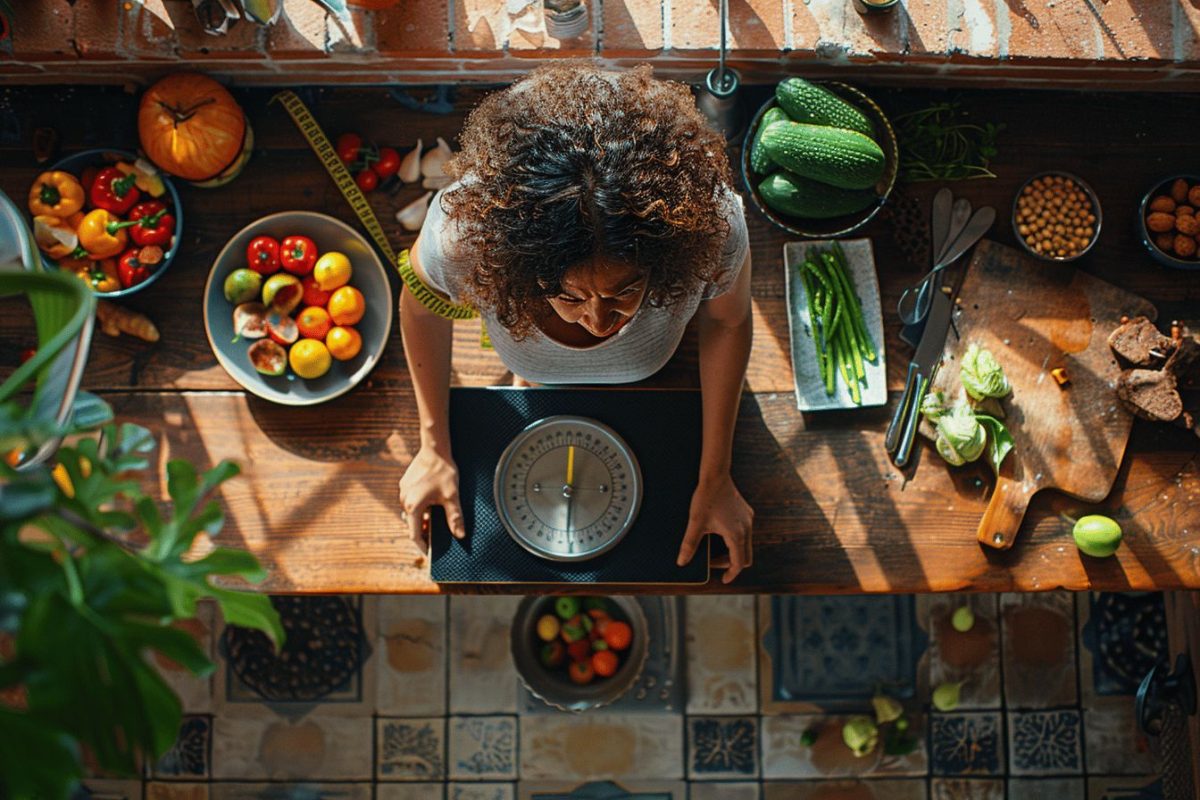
{"points": [[154, 224], [262, 254], [114, 191], [297, 254], [130, 270]]}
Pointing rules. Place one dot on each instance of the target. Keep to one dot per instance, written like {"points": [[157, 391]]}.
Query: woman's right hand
{"points": [[431, 480]]}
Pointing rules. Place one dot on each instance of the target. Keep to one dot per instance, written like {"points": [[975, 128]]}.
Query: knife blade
{"points": [[921, 370]]}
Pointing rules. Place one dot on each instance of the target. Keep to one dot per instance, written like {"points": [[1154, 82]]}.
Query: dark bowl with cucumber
{"points": [[828, 171]]}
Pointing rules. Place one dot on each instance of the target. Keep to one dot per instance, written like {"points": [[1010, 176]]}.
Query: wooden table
{"points": [[317, 500]]}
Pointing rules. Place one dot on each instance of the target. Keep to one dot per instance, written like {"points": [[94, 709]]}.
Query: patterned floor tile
{"points": [[409, 791], [785, 756], [1039, 649], [196, 694], [1122, 635], [410, 749], [482, 748], [1113, 741], [173, 790], [1047, 789], [971, 657], [485, 681], [189, 758], [721, 748], [903, 789], [966, 789], [312, 747], [622, 789], [722, 676], [724, 791], [967, 744], [295, 791], [480, 791], [598, 746], [1124, 787], [410, 654], [1044, 743]]}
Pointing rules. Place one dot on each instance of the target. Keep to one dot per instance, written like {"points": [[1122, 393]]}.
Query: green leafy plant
{"points": [[940, 143], [93, 574]]}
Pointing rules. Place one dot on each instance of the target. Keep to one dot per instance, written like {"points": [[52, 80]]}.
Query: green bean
{"points": [[809, 294], [864, 340]]}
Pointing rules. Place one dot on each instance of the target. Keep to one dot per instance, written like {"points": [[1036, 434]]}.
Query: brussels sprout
{"points": [[861, 735], [960, 437], [981, 374]]}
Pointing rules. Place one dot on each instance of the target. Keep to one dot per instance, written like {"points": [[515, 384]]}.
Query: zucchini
{"points": [[794, 196], [760, 162], [816, 105], [836, 156]]}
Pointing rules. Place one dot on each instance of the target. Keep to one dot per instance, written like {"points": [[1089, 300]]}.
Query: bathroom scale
{"points": [[572, 486]]}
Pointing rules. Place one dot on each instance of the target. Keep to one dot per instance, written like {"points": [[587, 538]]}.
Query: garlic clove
{"points": [[433, 163], [412, 216], [410, 165], [437, 182]]}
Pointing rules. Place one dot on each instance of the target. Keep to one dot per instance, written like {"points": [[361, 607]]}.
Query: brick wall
{"points": [[1126, 43]]}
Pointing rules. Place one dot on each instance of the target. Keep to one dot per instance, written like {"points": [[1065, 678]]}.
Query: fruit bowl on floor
{"points": [[294, 328], [843, 224]]}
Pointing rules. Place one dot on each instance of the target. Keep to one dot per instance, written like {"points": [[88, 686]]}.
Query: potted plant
{"points": [[94, 572]]}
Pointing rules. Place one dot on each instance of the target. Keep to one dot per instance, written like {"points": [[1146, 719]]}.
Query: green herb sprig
{"points": [[940, 143]]}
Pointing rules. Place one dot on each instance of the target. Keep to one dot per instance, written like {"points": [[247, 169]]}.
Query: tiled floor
{"points": [[408, 698]]}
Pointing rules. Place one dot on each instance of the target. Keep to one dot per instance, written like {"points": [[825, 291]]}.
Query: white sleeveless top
{"points": [[638, 350]]}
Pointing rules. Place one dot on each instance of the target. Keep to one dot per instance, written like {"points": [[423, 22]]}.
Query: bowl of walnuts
{"points": [[1056, 217], [1168, 222]]}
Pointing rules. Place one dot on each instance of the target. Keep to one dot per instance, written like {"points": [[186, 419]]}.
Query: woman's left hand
{"points": [[718, 507]]}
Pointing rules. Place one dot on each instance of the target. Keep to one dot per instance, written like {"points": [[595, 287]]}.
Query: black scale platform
{"points": [[661, 427]]}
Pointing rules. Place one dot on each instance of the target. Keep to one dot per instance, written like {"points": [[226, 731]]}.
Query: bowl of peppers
{"points": [[109, 217]]}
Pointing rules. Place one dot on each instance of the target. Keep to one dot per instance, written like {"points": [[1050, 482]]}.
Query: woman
{"points": [[592, 218]]}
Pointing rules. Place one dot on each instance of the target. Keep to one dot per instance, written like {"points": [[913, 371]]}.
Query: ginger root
{"points": [[115, 320]]}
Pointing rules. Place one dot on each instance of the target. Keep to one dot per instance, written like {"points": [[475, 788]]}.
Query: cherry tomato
{"points": [[552, 654], [579, 651], [604, 662], [367, 180], [388, 163], [348, 145], [314, 295], [262, 255], [618, 635], [581, 672], [598, 614]]}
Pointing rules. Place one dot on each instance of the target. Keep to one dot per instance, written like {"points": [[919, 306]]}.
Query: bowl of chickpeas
{"points": [[1056, 217], [1169, 226]]}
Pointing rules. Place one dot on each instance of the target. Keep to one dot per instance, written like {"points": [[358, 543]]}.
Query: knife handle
{"points": [[891, 440], [912, 421]]}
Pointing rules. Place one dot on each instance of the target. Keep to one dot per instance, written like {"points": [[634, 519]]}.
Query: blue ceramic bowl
{"points": [[1166, 259], [75, 164], [367, 275]]}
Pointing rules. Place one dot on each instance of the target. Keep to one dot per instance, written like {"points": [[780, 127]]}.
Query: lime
{"points": [[963, 619], [1097, 535], [282, 292], [566, 607], [242, 286]]}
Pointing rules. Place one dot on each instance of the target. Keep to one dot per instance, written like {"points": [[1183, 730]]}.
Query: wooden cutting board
{"points": [[1036, 316]]}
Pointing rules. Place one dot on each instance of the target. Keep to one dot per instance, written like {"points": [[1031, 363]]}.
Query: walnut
{"points": [[1193, 196], [1185, 246], [1160, 222], [1179, 190], [1187, 225], [1162, 203], [1184, 211]]}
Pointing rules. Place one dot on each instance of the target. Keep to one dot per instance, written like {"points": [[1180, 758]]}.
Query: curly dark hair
{"points": [[570, 163]]}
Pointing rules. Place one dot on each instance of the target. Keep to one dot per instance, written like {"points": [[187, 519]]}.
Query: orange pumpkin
{"points": [[191, 126]]}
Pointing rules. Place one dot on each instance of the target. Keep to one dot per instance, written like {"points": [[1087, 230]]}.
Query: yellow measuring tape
{"points": [[320, 145]]}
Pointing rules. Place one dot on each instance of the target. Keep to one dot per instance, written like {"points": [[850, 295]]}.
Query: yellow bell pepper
{"points": [[55, 194], [102, 234], [54, 236], [101, 276]]}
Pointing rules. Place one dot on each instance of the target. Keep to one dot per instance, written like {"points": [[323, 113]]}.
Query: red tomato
{"points": [[618, 635], [348, 145], [314, 295], [28, 353], [388, 163], [367, 180], [581, 672], [298, 254], [572, 630], [552, 654], [604, 662], [579, 651], [262, 255]]}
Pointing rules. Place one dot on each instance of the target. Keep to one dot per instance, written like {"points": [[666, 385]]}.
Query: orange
{"points": [[331, 271], [309, 358], [347, 306], [314, 322], [343, 343]]}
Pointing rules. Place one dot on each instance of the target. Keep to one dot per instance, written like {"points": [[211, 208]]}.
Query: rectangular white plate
{"points": [[810, 389]]}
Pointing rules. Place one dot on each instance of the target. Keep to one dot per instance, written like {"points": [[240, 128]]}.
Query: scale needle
{"points": [[570, 463]]}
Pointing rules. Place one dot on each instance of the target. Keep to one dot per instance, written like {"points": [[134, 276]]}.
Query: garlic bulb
{"points": [[410, 165], [433, 163], [439, 182], [412, 216]]}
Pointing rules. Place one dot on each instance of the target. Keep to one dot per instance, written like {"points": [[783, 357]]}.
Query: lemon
{"points": [[310, 358], [1097, 536], [331, 271]]}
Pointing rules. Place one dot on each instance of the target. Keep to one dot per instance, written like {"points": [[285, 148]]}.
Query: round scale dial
{"points": [[568, 488]]}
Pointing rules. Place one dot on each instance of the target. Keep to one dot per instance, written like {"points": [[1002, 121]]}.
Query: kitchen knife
{"points": [[903, 428]]}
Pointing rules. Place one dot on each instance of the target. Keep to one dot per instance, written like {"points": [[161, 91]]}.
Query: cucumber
{"points": [[794, 196], [836, 156], [760, 162], [816, 105]]}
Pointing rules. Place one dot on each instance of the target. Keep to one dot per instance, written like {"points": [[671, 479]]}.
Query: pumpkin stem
{"points": [[184, 114]]}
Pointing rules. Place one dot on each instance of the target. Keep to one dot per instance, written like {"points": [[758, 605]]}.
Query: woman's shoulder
{"points": [[442, 252]]}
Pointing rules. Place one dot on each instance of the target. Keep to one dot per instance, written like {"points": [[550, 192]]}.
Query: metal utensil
{"points": [[959, 215], [942, 202], [914, 302]]}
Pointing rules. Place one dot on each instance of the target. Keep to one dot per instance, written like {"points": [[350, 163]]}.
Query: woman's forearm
{"points": [[428, 340], [724, 354]]}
